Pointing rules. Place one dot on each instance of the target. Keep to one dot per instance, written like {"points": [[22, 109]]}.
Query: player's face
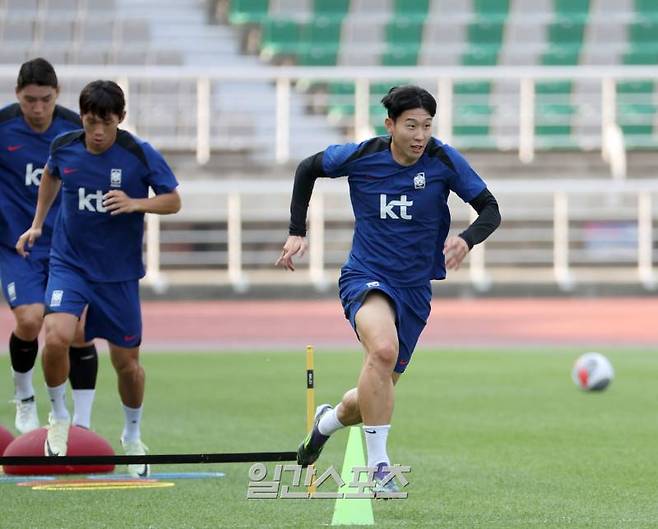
{"points": [[100, 133], [37, 105], [410, 133]]}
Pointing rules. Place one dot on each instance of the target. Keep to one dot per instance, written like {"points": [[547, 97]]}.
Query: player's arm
{"points": [[488, 219], [117, 203], [307, 172], [48, 189]]}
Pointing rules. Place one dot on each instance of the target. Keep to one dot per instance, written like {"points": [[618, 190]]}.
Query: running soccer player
{"points": [[96, 259], [26, 130], [399, 187]]}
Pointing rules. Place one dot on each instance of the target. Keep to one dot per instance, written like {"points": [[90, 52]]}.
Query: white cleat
{"points": [[136, 448], [26, 415], [58, 436]]}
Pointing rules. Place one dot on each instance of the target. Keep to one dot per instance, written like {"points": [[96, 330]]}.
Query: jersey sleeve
{"points": [[52, 165], [465, 181], [160, 176], [337, 158]]}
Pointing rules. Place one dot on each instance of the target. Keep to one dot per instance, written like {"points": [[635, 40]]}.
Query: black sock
{"points": [[23, 354], [84, 367]]}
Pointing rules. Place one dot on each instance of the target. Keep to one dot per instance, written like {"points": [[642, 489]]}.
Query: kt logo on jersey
{"points": [[32, 175], [388, 209]]}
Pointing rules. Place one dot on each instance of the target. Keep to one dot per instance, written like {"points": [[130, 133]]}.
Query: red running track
{"points": [[287, 324]]}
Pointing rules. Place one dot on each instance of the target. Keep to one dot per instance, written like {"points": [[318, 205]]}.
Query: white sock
{"points": [[82, 402], [58, 402], [23, 384], [376, 444], [131, 428], [329, 422]]}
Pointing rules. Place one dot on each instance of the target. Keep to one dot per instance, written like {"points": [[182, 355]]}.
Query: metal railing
{"points": [[580, 232], [182, 108]]}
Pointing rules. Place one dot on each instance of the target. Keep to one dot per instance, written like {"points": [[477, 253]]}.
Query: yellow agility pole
{"points": [[310, 397]]}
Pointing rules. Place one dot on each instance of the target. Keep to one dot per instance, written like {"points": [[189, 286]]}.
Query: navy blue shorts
{"points": [[23, 278], [412, 307], [114, 309]]}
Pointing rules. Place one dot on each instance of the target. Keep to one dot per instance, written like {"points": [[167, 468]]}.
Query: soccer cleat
{"points": [[58, 436], [136, 448], [383, 490], [310, 448], [26, 415]]}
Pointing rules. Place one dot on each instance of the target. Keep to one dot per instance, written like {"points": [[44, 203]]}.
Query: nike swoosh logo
{"points": [[50, 452], [13, 148], [69, 170], [370, 431], [130, 337]]}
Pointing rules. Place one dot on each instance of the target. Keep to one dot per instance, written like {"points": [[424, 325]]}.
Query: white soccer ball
{"points": [[592, 372]]}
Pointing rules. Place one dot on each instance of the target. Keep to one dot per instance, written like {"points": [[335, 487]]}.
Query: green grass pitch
{"points": [[495, 439]]}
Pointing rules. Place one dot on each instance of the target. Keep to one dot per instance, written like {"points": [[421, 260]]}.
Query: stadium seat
{"points": [[636, 112], [412, 9], [248, 11], [336, 9], [553, 114], [280, 37], [472, 113], [491, 10], [646, 9], [574, 10]]}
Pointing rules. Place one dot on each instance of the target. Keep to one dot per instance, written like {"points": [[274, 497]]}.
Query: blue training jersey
{"points": [[23, 154], [401, 212], [104, 247]]}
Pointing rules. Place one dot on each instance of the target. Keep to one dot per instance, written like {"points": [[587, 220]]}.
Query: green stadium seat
{"points": [[485, 38], [643, 32], [491, 10], [640, 55], [554, 113], [404, 30], [318, 55], [248, 11], [481, 56], [485, 33], [574, 10], [566, 32], [636, 112], [279, 37], [553, 125], [401, 55], [561, 56], [414, 9], [322, 31], [472, 88], [336, 9], [472, 113], [646, 9]]}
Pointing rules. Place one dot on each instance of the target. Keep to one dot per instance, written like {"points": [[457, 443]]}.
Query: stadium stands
{"points": [[477, 33], [78, 32]]}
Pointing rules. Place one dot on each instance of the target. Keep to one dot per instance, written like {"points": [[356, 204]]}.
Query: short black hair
{"points": [[102, 98], [407, 97], [36, 71]]}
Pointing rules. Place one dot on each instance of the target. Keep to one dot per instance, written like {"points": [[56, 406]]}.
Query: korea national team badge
{"points": [[115, 178], [419, 181]]}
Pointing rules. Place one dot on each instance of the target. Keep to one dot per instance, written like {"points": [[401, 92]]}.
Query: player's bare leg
{"points": [[375, 322], [60, 331], [131, 378]]}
